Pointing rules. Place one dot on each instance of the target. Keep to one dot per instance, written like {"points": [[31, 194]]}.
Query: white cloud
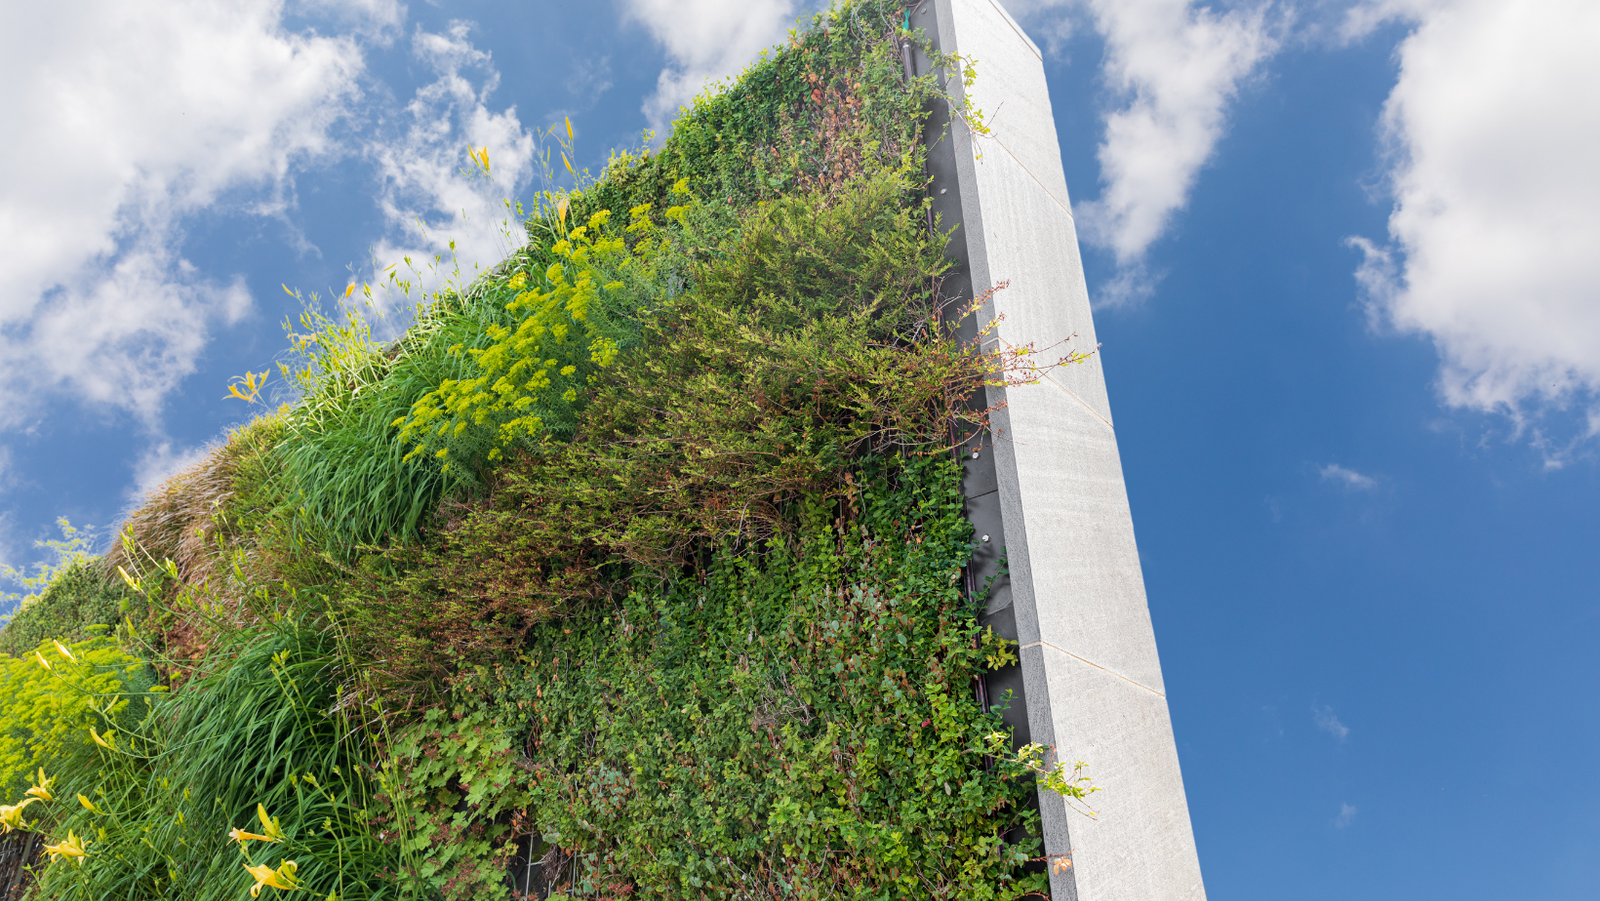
{"points": [[376, 20], [1349, 478], [1329, 723], [705, 40], [1172, 66], [1492, 129], [426, 171], [1177, 66], [1347, 815], [121, 120]]}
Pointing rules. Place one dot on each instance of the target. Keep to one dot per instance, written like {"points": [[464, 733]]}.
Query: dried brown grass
{"points": [[193, 520]]}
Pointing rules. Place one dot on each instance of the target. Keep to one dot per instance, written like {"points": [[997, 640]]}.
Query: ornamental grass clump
{"points": [[256, 729], [346, 480]]}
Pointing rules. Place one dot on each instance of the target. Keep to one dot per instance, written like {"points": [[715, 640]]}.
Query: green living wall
{"points": [[631, 570]]}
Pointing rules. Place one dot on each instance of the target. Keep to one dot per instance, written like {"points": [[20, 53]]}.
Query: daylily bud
{"points": [[269, 825]]}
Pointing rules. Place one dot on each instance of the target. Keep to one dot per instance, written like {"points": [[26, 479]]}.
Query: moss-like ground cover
{"points": [[630, 571]]}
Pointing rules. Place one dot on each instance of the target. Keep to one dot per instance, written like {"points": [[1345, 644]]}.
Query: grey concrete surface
{"points": [[1051, 490]]}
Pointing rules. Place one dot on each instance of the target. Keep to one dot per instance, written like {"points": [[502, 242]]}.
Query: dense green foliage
{"points": [[77, 598], [631, 568], [798, 722], [809, 120], [743, 396]]}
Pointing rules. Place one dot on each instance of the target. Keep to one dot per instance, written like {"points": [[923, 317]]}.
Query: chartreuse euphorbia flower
{"points": [[281, 878], [74, 847], [11, 816], [41, 788]]}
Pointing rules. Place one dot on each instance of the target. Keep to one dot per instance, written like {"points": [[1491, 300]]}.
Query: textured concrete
{"points": [[1050, 488]]}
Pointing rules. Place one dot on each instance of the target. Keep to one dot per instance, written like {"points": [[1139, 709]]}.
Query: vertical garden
{"points": [[631, 570]]}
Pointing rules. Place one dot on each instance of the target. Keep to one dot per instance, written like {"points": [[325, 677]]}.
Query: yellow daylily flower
{"points": [[108, 741], [241, 836], [42, 662], [41, 788], [11, 816], [281, 878], [74, 847], [64, 652], [269, 825], [87, 804]]}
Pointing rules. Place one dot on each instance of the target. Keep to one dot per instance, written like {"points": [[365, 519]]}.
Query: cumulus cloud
{"points": [[1491, 132], [1329, 723], [121, 120], [1176, 66], [705, 40], [1172, 66], [1349, 478], [437, 204]]}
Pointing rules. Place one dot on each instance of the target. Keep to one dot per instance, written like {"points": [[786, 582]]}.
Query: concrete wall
{"points": [[1048, 484]]}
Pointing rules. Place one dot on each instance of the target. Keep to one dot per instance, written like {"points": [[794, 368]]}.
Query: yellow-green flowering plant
{"points": [[566, 324], [56, 703]]}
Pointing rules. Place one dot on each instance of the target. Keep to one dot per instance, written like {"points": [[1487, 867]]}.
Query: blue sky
{"points": [[1349, 300]]}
